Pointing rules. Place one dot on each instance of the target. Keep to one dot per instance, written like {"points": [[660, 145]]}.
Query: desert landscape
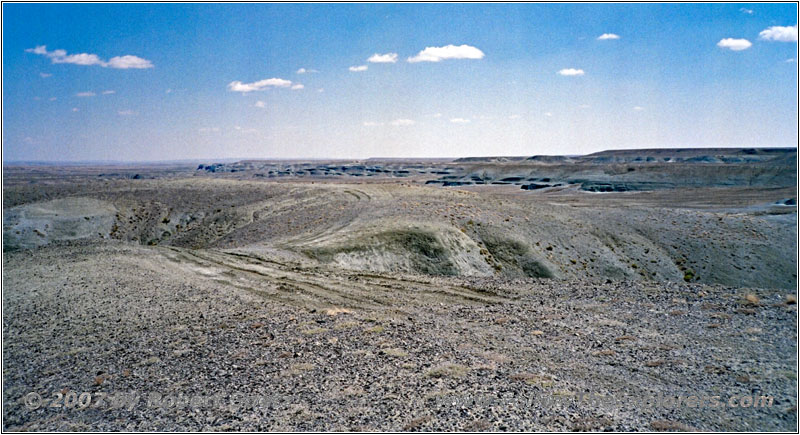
{"points": [[472, 294]]}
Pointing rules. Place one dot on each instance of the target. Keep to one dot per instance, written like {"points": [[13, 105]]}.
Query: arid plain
{"points": [[406, 294]]}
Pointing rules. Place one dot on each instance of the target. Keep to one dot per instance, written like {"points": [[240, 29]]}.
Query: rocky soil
{"points": [[334, 350], [186, 299]]}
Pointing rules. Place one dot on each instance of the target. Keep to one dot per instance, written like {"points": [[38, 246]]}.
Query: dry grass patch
{"points": [[314, 331], [377, 329], [336, 311], [447, 370], [396, 352], [533, 379], [497, 357], [296, 369], [345, 325]]}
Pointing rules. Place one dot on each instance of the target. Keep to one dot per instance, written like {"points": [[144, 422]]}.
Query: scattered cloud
{"points": [[261, 104], [514, 117], [74, 109], [571, 72], [402, 122], [126, 112], [260, 85], [459, 121], [85, 94], [746, 11], [372, 124], [734, 44], [306, 71], [638, 108], [584, 106], [791, 60], [437, 54], [45, 75], [437, 115], [297, 87], [358, 68], [53, 98], [128, 62], [321, 90], [109, 92], [118, 62], [779, 33], [383, 58], [208, 129], [548, 114], [607, 36]]}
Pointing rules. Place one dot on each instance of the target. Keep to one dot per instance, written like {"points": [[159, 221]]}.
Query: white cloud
{"points": [[746, 11], [638, 108], [79, 59], [260, 85], [734, 44], [261, 104], [321, 90], [791, 60], [126, 112], [607, 36], [459, 121], [514, 117], [779, 33], [383, 58], [53, 98], [40, 49], [306, 71], [74, 109], [119, 62], [109, 92], [571, 72], [297, 87], [208, 129], [358, 68], [437, 115], [548, 114], [584, 106], [436, 54], [402, 122], [85, 94], [45, 75], [128, 62], [371, 124]]}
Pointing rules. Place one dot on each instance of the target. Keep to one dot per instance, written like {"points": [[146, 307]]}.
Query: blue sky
{"points": [[162, 82]]}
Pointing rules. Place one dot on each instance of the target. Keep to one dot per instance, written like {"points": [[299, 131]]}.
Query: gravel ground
{"points": [[308, 347]]}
